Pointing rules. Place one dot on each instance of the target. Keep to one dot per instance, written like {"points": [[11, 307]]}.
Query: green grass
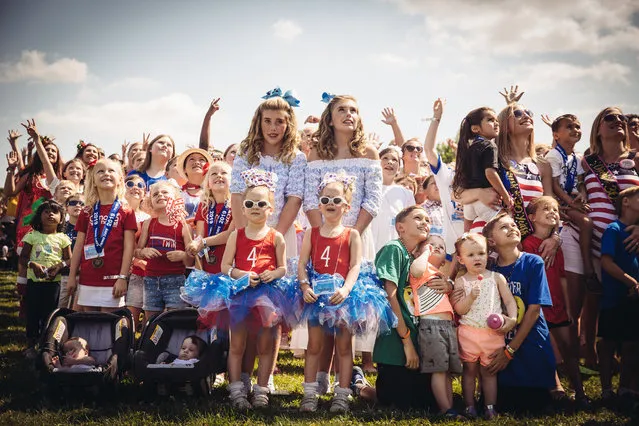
{"points": [[23, 402]]}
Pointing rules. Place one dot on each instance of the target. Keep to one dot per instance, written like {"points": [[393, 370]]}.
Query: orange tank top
{"points": [[255, 255], [331, 255]]}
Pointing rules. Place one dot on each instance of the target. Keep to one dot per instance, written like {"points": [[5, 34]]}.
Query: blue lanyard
{"points": [[216, 226], [100, 242], [571, 172]]}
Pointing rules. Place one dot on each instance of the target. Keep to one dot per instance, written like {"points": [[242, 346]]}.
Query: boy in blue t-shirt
{"points": [[619, 306]]}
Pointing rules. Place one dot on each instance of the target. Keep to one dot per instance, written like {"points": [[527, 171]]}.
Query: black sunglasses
{"points": [[614, 117], [131, 184], [518, 113], [328, 200], [411, 148], [261, 204], [74, 203]]}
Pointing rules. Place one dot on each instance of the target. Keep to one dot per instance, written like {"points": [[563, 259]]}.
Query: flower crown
{"points": [[81, 145], [347, 180], [258, 177]]}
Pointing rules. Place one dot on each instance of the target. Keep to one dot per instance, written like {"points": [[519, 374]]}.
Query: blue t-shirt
{"points": [[616, 292], [69, 229], [534, 362], [148, 180]]}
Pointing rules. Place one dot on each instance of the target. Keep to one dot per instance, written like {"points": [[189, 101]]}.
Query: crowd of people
{"points": [[507, 266]]}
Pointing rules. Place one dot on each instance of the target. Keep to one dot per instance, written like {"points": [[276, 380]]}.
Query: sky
{"points": [[106, 71]]}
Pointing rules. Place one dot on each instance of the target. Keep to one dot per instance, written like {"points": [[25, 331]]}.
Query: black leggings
{"points": [[42, 299]]}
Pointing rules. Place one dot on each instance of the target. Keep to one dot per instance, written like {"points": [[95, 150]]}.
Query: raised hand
{"points": [[389, 116], [214, 107], [12, 160], [125, 146], [374, 140], [13, 136], [438, 108], [511, 96], [32, 130], [312, 119], [546, 119], [145, 140]]}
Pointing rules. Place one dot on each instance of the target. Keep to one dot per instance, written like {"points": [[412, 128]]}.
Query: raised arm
{"points": [[13, 141], [206, 124], [32, 130], [391, 120], [431, 135]]}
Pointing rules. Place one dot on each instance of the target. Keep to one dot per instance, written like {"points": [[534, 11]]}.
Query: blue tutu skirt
{"points": [[210, 294], [266, 305], [365, 310]]}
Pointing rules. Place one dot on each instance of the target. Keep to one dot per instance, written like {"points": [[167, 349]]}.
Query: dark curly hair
{"points": [[51, 205]]}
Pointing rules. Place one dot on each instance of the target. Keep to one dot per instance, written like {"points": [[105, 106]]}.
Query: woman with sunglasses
{"points": [[610, 168], [134, 190], [412, 158]]}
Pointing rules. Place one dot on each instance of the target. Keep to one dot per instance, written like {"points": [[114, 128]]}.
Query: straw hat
{"points": [[182, 159]]}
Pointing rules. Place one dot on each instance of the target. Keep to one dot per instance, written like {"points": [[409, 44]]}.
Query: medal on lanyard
{"points": [[100, 241], [216, 225]]}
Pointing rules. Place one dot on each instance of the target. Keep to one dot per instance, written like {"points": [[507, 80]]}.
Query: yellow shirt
{"points": [[46, 250]]}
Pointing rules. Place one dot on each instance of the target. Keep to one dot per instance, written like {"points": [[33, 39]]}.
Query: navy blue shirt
{"points": [[533, 364]]}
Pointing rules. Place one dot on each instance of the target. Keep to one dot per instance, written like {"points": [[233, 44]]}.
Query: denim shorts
{"points": [[163, 293], [135, 292]]}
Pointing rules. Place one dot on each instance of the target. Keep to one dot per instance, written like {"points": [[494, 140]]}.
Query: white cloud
{"points": [[547, 75], [286, 29], [534, 26], [395, 60], [33, 67]]}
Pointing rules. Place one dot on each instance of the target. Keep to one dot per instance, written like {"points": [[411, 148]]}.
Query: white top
{"points": [[453, 220], [178, 361], [395, 198], [559, 169], [488, 302]]}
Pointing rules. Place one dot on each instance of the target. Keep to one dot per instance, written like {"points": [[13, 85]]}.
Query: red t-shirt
{"points": [[164, 238], [331, 255], [138, 265], [215, 252], [114, 246], [255, 255], [556, 313]]}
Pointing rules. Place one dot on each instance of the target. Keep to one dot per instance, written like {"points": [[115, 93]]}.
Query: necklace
{"points": [[410, 255], [512, 268]]}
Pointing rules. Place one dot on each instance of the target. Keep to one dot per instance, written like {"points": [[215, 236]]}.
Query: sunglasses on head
{"points": [[249, 204], [411, 148], [609, 118], [74, 203], [131, 184], [331, 200], [518, 113]]}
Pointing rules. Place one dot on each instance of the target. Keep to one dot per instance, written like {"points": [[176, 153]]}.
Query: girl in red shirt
{"points": [[106, 238], [162, 244], [255, 258], [337, 299]]}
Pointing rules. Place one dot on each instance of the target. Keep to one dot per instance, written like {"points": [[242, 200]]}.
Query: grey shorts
{"points": [[162, 293], [438, 349], [135, 292]]}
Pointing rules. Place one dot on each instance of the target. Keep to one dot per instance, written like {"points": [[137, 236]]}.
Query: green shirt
{"points": [[393, 264], [46, 250]]}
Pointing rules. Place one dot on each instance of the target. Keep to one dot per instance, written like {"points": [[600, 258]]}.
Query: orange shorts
{"points": [[478, 343]]}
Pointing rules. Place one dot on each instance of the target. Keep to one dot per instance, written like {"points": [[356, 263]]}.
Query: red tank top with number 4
{"points": [[331, 255], [255, 255]]}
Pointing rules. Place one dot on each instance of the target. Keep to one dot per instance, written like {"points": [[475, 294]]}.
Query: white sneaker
{"points": [[271, 384], [323, 382], [260, 396], [248, 384]]}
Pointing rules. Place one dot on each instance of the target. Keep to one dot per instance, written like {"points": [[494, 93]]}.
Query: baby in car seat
{"points": [[75, 354]]}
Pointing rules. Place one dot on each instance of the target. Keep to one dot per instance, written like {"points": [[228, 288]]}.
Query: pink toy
{"points": [[495, 321]]}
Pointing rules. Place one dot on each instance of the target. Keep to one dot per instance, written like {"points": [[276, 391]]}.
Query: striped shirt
{"points": [[603, 211], [529, 180]]}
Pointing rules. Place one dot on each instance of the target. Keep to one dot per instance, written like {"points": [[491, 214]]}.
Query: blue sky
{"points": [[107, 71]]}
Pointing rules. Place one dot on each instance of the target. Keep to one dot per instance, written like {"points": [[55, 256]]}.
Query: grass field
{"points": [[22, 400]]}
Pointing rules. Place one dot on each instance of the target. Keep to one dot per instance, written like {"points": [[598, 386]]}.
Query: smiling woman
{"points": [[158, 153]]}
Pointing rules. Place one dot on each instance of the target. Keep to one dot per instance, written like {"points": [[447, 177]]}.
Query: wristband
{"points": [[510, 350], [508, 355], [435, 119], [229, 272], [305, 281], [405, 336], [22, 280], [116, 277]]}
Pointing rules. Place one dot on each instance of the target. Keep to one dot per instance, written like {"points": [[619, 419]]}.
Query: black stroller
{"points": [[110, 339], [163, 335]]}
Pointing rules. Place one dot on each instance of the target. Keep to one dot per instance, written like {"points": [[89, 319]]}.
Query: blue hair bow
{"points": [[288, 96], [327, 97]]}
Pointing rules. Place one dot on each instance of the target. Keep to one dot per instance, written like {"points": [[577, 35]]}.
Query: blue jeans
{"points": [[163, 292]]}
